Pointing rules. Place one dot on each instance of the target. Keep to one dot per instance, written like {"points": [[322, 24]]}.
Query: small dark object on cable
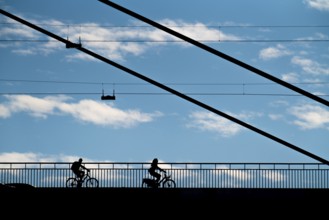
{"points": [[108, 97], [73, 45]]}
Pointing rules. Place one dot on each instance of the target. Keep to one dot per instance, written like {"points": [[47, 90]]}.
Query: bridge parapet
{"points": [[185, 175]]}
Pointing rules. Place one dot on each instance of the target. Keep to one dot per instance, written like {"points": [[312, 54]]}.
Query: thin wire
{"points": [[148, 26], [48, 81], [149, 93], [171, 41], [118, 83], [152, 93]]}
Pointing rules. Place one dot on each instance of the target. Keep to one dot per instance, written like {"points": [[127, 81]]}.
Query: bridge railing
{"points": [[186, 175]]}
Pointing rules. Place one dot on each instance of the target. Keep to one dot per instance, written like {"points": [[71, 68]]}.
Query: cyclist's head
{"points": [[155, 160], [80, 160]]}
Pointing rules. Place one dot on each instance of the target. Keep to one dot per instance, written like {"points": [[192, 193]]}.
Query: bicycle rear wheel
{"points": [[71, 182], [169, 184], [148, 183], [92, 183]]}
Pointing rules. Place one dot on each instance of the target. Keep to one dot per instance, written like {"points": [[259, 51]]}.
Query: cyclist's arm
{"points": [[84, 167]]}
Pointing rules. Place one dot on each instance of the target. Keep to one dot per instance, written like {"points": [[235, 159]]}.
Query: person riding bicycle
{"points": [[78, 169], [153, 168]]}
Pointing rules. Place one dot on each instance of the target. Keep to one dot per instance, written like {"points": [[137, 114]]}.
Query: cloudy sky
{"points": [[50, 95]]}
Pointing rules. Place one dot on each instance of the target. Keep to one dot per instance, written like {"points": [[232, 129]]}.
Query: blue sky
{"points": [[50, 105]]}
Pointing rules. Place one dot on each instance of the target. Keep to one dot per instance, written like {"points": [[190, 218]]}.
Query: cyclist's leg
{"points": [[81, 175], [80, 178], [157, 176], [153, 174]]}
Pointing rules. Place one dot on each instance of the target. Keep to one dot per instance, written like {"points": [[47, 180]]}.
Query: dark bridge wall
{"points": [[140, 202]]}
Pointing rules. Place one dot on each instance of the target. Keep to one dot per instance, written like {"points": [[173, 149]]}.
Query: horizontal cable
{"points": [[169, 41], [148, 26], [120, 83], [151, 93]]}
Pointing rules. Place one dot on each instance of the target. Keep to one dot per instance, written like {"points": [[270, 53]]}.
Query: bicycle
{"points": [[90, 182], [165, 182]]}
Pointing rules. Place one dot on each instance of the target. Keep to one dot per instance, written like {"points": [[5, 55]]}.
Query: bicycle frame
{"points": [[90, 182], [85, 177], [165, 182], [164, 178]]}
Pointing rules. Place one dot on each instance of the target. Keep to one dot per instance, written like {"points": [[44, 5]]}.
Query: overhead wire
{"points": [[122, 83], [149, 26], [154, 93], [174, 41]]}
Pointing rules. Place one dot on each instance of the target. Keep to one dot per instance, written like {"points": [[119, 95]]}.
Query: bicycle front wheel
{"points": [[169, 184], [92, 183], [144, 184], [71, 182]]}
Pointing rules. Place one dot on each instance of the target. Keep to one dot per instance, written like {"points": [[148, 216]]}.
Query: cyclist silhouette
{"points": [[153, 168], [78, 169]]}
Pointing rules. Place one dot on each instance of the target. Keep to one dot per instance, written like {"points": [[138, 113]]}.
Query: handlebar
{"points": [[88, 172]]}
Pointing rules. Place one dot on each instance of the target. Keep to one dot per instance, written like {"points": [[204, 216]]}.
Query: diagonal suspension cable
{"points": [[215, 52], [69, 44]]}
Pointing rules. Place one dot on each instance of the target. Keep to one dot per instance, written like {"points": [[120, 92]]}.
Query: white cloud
{"points": [[24, 51], [290, 77], [32, 157], [207, 121], [18, 30], [310, 116], [322, 5], [89, 111], [112, 42], [105, 114], [35, 106], [4, 111], [310, 66], [197, 31], [279, 103], [21, 157], [275, 117], [273, 52]]}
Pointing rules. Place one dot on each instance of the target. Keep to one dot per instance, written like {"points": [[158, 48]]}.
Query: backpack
{"points": [[75, 166]]}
